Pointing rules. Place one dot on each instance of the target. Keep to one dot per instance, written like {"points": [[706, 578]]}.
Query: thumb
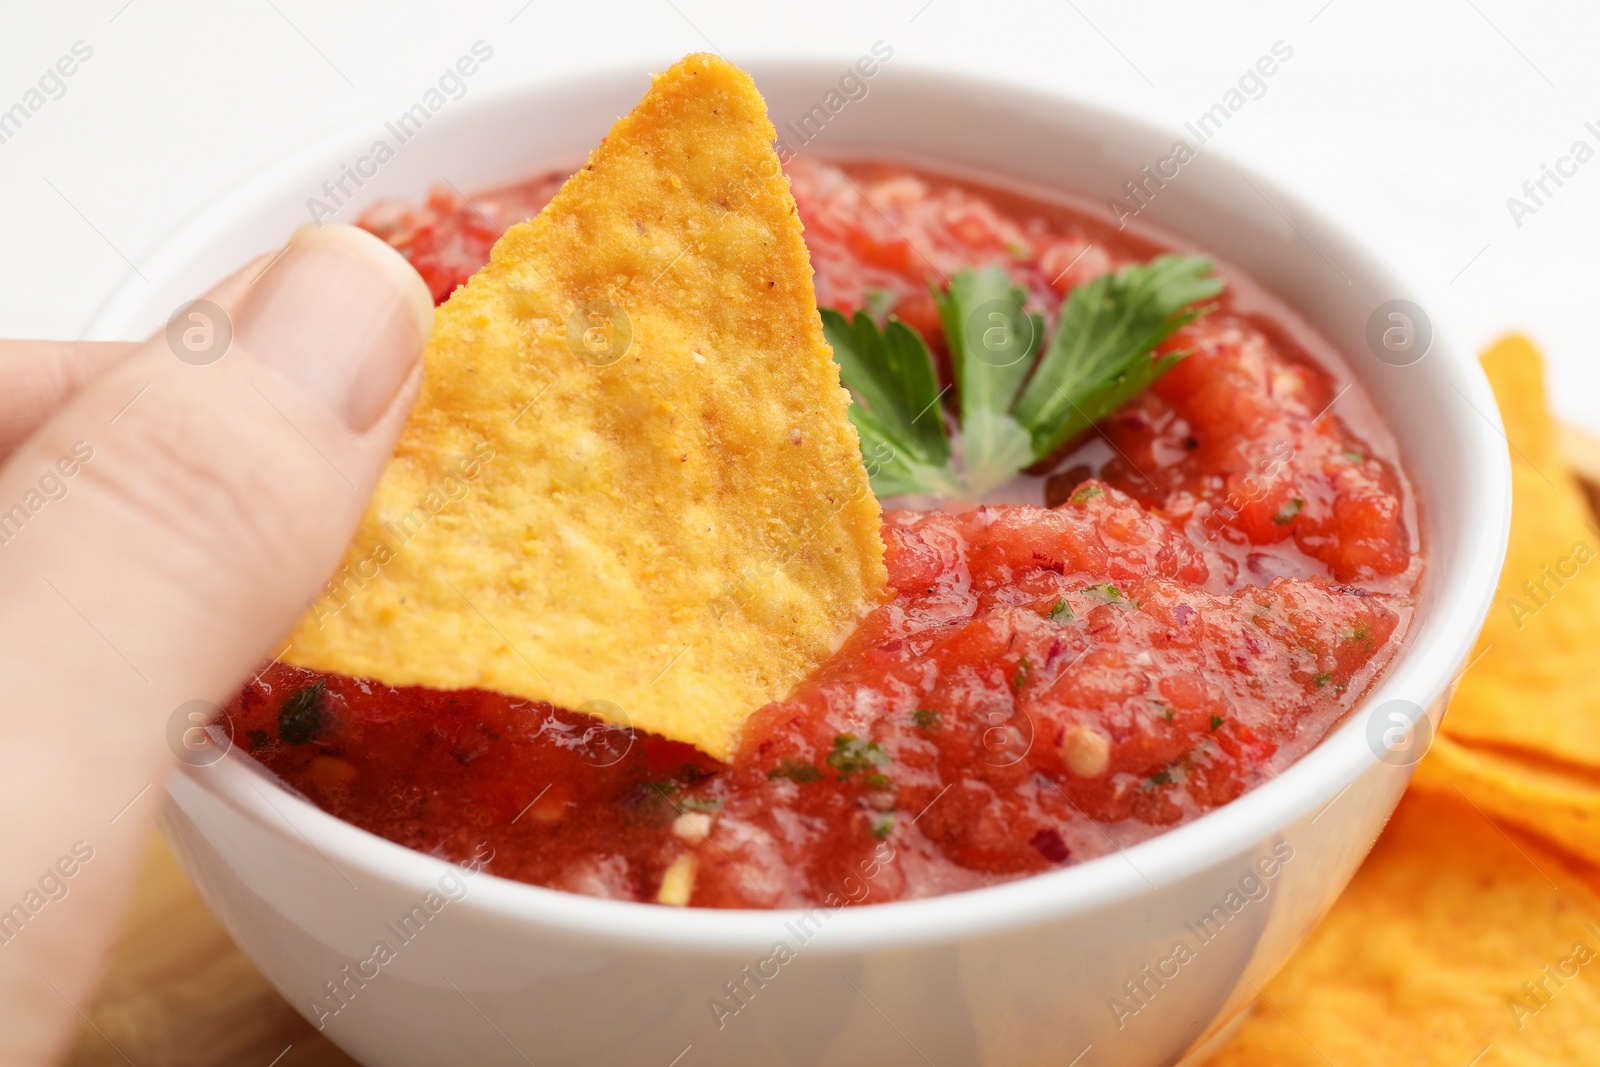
{"points": [[158, 537]]}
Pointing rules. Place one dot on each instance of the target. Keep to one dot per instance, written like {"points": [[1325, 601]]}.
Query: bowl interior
{"points": [[1439, 408]]}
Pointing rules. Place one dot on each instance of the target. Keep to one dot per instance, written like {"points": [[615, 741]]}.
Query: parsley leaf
{"points": [[879, 302], [903, 438], [1286, 514], [1100, 356], [1019, 398], [851, 755], [993, 344], [300, 720], [796, 771], [1086, 494], [1024, 673]]}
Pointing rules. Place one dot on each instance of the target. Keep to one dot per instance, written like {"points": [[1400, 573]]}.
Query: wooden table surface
{"points": [[178, 993]]}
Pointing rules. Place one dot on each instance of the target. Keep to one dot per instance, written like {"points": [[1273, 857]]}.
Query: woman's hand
{"points": [[167, 511]]}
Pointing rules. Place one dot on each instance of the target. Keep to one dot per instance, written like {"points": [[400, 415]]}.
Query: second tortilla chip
{"points": [[1534, 686], [630, 486], [1452, 939]]}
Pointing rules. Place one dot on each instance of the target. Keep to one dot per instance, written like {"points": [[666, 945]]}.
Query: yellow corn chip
{"points": [[1559, 802], [630, 486], [1535, 686], [1455, 945]]}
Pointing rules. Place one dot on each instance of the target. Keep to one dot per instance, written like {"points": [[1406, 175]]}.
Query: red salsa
{"points": [[1152, 622]]}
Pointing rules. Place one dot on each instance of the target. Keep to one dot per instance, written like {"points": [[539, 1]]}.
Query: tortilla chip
{"points": [[630, 485], [1561, 803], [1535, 686], [1581, 450], [1454, 945]]}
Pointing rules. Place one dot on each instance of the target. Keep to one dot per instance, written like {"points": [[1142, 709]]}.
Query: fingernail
{"points": [[341, 315]]}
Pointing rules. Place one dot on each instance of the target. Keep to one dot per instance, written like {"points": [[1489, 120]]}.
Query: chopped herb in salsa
{"points": [[300, 721]]}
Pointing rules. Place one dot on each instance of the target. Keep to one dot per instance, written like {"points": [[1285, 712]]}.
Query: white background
{"points": [[1412, 122]]}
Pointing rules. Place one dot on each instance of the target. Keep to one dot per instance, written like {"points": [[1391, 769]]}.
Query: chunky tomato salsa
{"points": [[1140, 628]]}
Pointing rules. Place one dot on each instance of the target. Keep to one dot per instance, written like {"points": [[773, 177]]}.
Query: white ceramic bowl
{"points": [[1022, 973]]}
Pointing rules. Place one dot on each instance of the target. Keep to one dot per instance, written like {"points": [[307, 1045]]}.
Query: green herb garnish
{"points": [[1322, 678], [1062, 610], [300, 719], [879, 302], [1286, 514], [1087, 493], [851, 754], [925, 719], [1161, 778], [994, 342], [882, 824], [896, 413], [1099, 358], [1107, 592], [1216, 721], [796, 771], [1024, 670], [1019, 398]]}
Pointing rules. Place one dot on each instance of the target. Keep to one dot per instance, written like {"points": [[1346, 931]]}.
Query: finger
{"points": [[158, 536], [37, 377]]}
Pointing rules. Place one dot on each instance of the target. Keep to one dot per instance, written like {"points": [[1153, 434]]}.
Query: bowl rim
{"points": [[1434, 648]]}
